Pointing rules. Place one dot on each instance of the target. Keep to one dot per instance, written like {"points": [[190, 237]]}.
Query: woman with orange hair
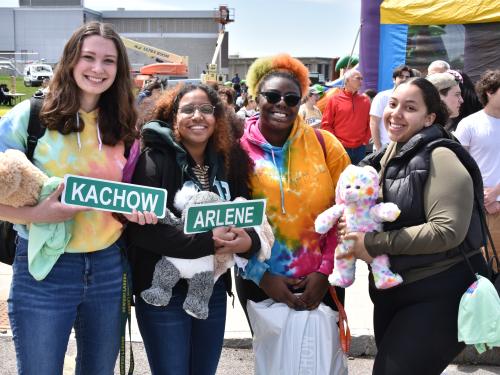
{"points": [[296, 169], [190, 144]]}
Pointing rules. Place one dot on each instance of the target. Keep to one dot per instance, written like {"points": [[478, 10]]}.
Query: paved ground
{"points": [[233, 361], [236, 360]]}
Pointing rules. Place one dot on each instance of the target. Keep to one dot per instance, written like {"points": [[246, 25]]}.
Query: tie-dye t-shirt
{"points": [[298, 184], [57, 154]]}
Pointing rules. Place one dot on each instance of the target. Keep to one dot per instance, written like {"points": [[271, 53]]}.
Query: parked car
{"points": [[34, 74]]}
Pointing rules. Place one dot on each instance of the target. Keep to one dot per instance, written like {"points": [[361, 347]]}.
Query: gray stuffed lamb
{"points": [[201, 273]]}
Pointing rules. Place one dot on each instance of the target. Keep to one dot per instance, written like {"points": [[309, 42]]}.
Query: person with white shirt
{"points": [[377, 128], [479, 133]]}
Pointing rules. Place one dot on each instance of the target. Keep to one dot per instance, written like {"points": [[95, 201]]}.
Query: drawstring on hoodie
{"points": [[282, 193], [78, 134]]}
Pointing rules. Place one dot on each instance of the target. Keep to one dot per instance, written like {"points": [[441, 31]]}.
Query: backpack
{"points": [[35, 131]]}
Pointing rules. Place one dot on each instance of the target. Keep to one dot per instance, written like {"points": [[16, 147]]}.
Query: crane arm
{"points": [[154, 52], [218, 46]]}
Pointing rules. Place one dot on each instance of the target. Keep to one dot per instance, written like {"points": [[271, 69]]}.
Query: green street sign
{"points": [[204, 217], [113, 196]]}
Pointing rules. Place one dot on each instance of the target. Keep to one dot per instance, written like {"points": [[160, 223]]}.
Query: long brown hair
{"points": [[117, 115], [168, 105]]}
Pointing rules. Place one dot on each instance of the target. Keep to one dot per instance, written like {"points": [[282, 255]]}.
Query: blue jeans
{"points": [[175, 342], [81, 291], [356, 154]]}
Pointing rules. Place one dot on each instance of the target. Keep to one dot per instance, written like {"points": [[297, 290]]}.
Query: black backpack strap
{"points": [[35, 128]]}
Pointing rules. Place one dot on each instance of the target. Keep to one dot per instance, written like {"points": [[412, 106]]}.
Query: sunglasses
{"points": [[272, 97], [190, 109]]}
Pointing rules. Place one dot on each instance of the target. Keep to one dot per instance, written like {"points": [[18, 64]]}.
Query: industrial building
{"points": [[38, 30], [322, 69]]}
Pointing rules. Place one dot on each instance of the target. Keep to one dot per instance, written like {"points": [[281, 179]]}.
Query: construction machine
{"points": [[223, 16], [167, 63]]}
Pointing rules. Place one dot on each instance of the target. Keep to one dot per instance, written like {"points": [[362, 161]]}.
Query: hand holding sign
{"points": [[241, 243], [51, 210], [142, 218]]}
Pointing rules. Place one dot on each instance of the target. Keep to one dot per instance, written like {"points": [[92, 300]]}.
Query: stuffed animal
{"points": [[201, 273], [356, 194], [20, 181], [23, 184]]}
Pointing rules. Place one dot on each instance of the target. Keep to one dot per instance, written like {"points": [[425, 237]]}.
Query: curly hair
{"points": [[229, 92], [488, 83], [263, 68], [167, 107], [117, 116]]}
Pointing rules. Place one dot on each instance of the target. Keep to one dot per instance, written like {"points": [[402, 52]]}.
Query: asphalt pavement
{"points": [[233, 361], [237, 357]]}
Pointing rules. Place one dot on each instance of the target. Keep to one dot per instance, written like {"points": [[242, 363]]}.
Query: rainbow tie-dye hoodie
{"points": [[57, 154], [298, 184]]}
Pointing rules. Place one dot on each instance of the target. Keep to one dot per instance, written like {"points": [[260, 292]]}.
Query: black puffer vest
{"points": [[404, 181]]}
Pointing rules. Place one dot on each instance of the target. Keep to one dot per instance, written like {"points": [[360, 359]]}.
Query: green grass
{"points": [[29, 91]]}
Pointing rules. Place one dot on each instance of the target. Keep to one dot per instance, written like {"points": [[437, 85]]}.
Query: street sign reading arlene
{"points": [[204, 217], [113, 196]]}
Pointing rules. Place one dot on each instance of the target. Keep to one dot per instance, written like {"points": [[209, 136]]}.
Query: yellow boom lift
{"points": [[167, 63], [159, 55]]}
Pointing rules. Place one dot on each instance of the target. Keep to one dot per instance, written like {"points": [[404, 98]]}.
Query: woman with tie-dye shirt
{"points": [[90, 119], [296, 169]]}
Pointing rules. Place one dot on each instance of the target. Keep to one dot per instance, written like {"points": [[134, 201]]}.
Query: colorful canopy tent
{"points": [[416, 32]]}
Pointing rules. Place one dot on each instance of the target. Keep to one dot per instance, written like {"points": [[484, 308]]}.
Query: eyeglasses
{"points": [[190, 109], [272, 97]]}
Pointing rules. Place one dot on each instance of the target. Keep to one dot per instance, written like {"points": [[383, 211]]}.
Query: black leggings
{"points": [[248, 290], [416, 324]]}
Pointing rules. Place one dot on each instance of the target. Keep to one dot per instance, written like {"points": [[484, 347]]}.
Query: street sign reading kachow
{"points": [[204, 217], [113, 196]]}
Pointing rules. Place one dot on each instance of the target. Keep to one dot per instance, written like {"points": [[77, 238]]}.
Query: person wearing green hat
{"points": [[308, 110]]}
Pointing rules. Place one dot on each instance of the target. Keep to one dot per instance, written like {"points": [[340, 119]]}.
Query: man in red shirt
{"points": [[347, 116]]}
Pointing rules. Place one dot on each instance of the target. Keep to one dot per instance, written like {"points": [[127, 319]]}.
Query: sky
{"points": [[320, 28]]}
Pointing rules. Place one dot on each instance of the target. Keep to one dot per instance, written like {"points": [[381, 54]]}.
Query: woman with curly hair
{"points": [[227, 96], [190, 144], [89, 121], [296, 169]]}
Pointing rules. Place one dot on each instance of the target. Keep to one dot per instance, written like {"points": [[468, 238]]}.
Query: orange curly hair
{"points": [[263, 67]]}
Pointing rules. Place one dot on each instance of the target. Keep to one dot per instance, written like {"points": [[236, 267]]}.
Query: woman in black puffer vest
{"points": [[434, 181]]}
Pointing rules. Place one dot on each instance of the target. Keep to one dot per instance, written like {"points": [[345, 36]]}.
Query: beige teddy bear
{"points": [[20, 181]]}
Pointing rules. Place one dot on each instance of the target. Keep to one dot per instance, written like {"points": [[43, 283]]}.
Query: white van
{"points": [[34, 74]]}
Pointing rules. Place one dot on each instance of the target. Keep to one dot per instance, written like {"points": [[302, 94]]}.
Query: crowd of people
{"points": [[262, 137]]}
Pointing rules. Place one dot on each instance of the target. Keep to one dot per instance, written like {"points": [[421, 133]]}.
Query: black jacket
{"points": [[165, 164], [404, 181]]}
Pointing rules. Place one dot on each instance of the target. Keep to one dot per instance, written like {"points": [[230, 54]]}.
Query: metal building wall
{"points": [[7, 34], [45, 30], [44, 3]]}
